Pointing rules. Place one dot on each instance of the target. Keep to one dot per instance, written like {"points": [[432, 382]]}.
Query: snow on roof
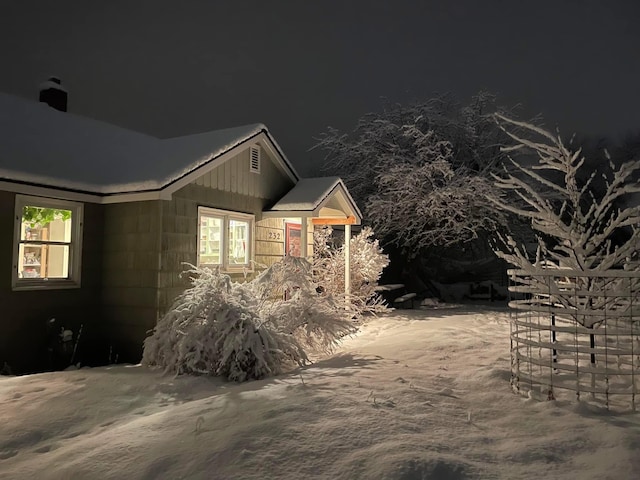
{"points": [[309, 193], [40, 145], [53, 82]]}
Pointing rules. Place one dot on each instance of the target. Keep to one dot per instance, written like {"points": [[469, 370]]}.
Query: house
{"points": [[96, 223]]}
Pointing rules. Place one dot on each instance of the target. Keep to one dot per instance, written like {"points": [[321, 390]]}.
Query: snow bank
{"points": [[422, 394]]}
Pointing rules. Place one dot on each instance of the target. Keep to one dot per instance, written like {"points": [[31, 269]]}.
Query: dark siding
{"points": [[130, 276], [230, 186], [179, 233], [23, 317]]}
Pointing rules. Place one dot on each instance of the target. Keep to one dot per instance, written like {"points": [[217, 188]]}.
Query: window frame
{"points": [[226, 216], [75, 244]]}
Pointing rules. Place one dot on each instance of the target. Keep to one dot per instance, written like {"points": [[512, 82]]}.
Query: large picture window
{"points": [[47, 243], [225, 239]]}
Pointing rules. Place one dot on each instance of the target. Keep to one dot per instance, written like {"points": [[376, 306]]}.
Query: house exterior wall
{"points": [[23, 331], [146, 245], [231, 187], [310, 230], [179, 234], [270, 238], [130, 276], [234, 176]]}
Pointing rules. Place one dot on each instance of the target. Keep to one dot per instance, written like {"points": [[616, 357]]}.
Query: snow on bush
{"points": [[367, 262], [578, 229], [291, 303], [246, 331]]}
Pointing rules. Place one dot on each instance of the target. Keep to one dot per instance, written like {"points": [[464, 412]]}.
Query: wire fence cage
{"points": [[576, 334]]}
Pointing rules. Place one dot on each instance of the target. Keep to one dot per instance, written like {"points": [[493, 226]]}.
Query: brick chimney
{"points": [[54, 94]]}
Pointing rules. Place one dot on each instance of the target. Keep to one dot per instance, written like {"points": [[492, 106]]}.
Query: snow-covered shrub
{"points": [[214, 328], [245, 330], [367, 263], [290, 301]]}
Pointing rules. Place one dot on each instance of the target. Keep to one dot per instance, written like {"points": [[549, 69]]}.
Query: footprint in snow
{"points": [[44, 449], [447, 392], [8, 454]]}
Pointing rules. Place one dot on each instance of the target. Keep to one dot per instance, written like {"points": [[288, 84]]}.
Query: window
{"points": [[254, 159], [225, 239], [47, 243]]}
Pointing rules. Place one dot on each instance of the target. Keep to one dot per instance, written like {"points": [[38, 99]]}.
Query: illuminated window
{"points": [[47, 248], [224, 239]]}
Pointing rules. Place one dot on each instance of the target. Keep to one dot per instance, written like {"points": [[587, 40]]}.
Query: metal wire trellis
{"points": [[576, 332]]}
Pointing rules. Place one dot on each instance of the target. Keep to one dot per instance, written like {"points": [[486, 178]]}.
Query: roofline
{"points": [[350, 199], [313, 212], [284, 158], [42, 190], [162, 193]]}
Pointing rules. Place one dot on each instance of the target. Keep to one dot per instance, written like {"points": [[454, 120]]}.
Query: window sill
{"points": [[237, 270], [228, 269], [57, 284]]}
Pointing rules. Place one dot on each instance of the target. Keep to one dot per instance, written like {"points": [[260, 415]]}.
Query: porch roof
{"points": [[318, 197]]}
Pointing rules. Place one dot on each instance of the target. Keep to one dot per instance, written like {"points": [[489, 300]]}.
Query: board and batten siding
{"points": [[234, 176], [130, 276], [232, 187]]}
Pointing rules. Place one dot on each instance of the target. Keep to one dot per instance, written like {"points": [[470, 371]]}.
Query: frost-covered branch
{"points": [[579, 224], [246, 330], [422, 171], [367, 262], [579, 229]]}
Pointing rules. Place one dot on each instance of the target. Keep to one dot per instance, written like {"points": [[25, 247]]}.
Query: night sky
{"points": [[174, 68]]}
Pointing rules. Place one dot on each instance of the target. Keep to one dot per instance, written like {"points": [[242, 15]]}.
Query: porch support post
{"points": [[304, 250], [347, 262]]}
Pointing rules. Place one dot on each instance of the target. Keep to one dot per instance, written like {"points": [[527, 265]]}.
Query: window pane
{"points": [[57, 261], [210, 236], [238, 242], [29, 265], [43, 261], [39, 223]]}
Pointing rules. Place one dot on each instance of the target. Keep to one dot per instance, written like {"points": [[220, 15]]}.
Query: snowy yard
{"points": [[418, 394]]}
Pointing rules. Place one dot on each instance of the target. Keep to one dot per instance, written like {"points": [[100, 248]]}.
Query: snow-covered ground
{"points": [[417, 394]]}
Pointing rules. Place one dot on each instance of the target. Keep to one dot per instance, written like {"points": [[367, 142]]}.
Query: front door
{"points": [[292, 239]]}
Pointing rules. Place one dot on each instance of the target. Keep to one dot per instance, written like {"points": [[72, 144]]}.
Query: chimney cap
{"points": [[53, 83]]}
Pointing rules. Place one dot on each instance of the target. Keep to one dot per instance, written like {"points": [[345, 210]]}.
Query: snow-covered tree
{"points": [[246, 330], [431, 204], [367, 262], [576, 229], [422, 171]]}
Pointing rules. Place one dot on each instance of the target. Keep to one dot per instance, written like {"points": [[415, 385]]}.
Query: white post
{"points": [[347, 262], [304, 250]]}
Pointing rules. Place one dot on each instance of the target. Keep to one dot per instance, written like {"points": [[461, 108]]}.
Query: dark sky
{"points": [[173, 68]]}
